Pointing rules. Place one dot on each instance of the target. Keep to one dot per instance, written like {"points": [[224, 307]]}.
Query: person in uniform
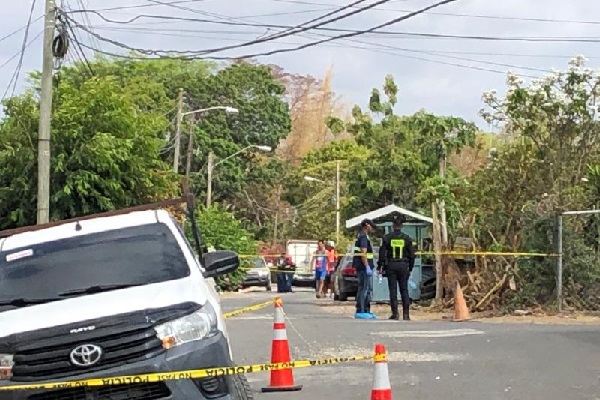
{"points": [[363, 263], [397, 259]]}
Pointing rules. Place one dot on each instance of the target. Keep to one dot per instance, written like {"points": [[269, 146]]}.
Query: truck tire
{"points": [[343, 296], [241, 388]]}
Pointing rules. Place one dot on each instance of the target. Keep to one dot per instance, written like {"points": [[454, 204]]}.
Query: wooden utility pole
{"points": [[190, 151], [45, 122], [210, 167], [442, 203], [437, 249], [178, 131], [337, 203]]}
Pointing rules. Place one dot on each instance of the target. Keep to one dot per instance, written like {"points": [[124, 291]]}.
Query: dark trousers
{"points": [[284, 282], [397, 275], [363, 294]]}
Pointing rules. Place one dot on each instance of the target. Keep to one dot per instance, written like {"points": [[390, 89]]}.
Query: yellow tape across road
{"points": [[189, 374], [247, 309], [443, 253]]}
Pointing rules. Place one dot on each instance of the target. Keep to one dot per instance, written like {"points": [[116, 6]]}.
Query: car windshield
{"points": [[100, 261], [259, 263]]}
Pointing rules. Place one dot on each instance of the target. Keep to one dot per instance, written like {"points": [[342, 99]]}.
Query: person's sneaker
{"points": [[395, 317], [373, 316]]}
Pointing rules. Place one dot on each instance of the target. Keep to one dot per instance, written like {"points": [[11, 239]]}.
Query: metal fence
{"points": [[578, 272]]}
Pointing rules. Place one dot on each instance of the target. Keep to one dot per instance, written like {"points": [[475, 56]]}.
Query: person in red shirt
{"points": [[331, 263]]}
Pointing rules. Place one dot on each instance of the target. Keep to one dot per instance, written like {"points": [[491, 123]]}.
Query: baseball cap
{"points": [[366, 222], [398, 219], [331, 243]]}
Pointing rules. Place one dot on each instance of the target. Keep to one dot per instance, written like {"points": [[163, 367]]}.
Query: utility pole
{"points": [[178, 131], [45, 123], [190, 151], [209, 179], [337, 203]]}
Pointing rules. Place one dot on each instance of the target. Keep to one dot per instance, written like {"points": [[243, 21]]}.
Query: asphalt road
{"points": [[428, 360]]}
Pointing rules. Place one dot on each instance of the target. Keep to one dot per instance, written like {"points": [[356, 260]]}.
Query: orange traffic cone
{"points": [[282, 380], [461, 311], [382, 389]]}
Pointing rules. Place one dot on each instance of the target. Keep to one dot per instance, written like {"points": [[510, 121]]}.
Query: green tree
{"points": [[263, 119], [315, 201], [105, 153], [221, 230]]}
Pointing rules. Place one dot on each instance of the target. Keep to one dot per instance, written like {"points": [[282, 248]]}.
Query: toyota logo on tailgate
{"points": [[86, 355]]}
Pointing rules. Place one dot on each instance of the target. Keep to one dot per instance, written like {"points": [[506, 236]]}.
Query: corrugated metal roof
{"points": [[382, 212]]}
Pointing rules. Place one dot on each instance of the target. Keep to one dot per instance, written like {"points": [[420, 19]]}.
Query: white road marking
{"points": [[429, 334]]}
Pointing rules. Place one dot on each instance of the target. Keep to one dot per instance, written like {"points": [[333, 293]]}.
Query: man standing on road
{"points": [[320, 258], [285, 273], [363, 263], [397, 256]]}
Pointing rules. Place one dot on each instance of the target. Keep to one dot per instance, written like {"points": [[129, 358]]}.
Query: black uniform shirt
{"points": [[397, 247]]}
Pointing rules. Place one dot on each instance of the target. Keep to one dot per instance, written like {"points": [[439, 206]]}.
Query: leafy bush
{"points": [[222, 231]]}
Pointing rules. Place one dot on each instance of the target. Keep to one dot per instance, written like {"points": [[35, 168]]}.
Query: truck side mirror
{"points": [[220, 262]]}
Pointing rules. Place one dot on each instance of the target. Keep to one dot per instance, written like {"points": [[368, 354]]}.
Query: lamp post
{"points": [[337, 197], [181, 114], [212, 165]]}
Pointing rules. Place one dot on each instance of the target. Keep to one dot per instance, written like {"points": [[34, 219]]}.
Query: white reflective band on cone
{"points": [[381, 378], [279, 334]]}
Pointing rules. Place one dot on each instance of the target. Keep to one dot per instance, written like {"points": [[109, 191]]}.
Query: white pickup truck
{"points": [[112, 296]]}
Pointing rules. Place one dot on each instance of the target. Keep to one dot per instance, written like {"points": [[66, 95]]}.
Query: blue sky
{"points": [[442, 75]]}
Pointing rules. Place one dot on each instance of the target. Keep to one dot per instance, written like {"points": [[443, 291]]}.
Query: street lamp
{"points": [[180, 115], [337, 197], [212, 165]]}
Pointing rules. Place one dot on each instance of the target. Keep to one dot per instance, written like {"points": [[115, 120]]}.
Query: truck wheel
{"points": [[241, 388], [343, 296], [268, 287]]}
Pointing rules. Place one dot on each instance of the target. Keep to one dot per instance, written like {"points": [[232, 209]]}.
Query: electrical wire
{"points": [[189, 53], [9, 35], [15, 77], [350, 34], [482, 16], [181, 33], [541, 39]]}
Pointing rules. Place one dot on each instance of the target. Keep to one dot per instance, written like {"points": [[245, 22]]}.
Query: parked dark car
{"points": [[345, 280]]}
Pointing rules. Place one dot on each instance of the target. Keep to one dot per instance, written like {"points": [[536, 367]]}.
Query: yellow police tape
{"points": [[443, 253], [254, 307], [190, 374]]}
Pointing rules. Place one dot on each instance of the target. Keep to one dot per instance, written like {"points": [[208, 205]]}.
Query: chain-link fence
{"points": [[579, 261]]}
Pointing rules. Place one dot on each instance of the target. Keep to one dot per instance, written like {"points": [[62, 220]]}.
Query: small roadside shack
{"points": [[418, 227]]}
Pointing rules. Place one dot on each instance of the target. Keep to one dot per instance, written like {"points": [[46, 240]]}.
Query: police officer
{"points": [[397, 256], [363, 263]]}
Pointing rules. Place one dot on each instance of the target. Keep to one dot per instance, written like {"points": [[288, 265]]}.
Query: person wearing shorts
{"points": [[331, 263], [320, 268]]}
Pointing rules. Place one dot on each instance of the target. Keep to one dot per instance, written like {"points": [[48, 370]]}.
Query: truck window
{"points": [[137, 255]]}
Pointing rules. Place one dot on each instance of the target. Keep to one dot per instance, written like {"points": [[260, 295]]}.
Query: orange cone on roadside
{"points": [[461, 311], [382, 389], [282, 380]]}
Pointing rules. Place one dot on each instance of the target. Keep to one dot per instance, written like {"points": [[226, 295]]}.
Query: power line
{"points": [[483, 16], [15, 78], [285, 50], [351, 34], [9, 35], [302, 27], [180, 32], [542, 39]]}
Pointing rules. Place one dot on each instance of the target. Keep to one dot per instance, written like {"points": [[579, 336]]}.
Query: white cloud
{"points": [[431, 85]]}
